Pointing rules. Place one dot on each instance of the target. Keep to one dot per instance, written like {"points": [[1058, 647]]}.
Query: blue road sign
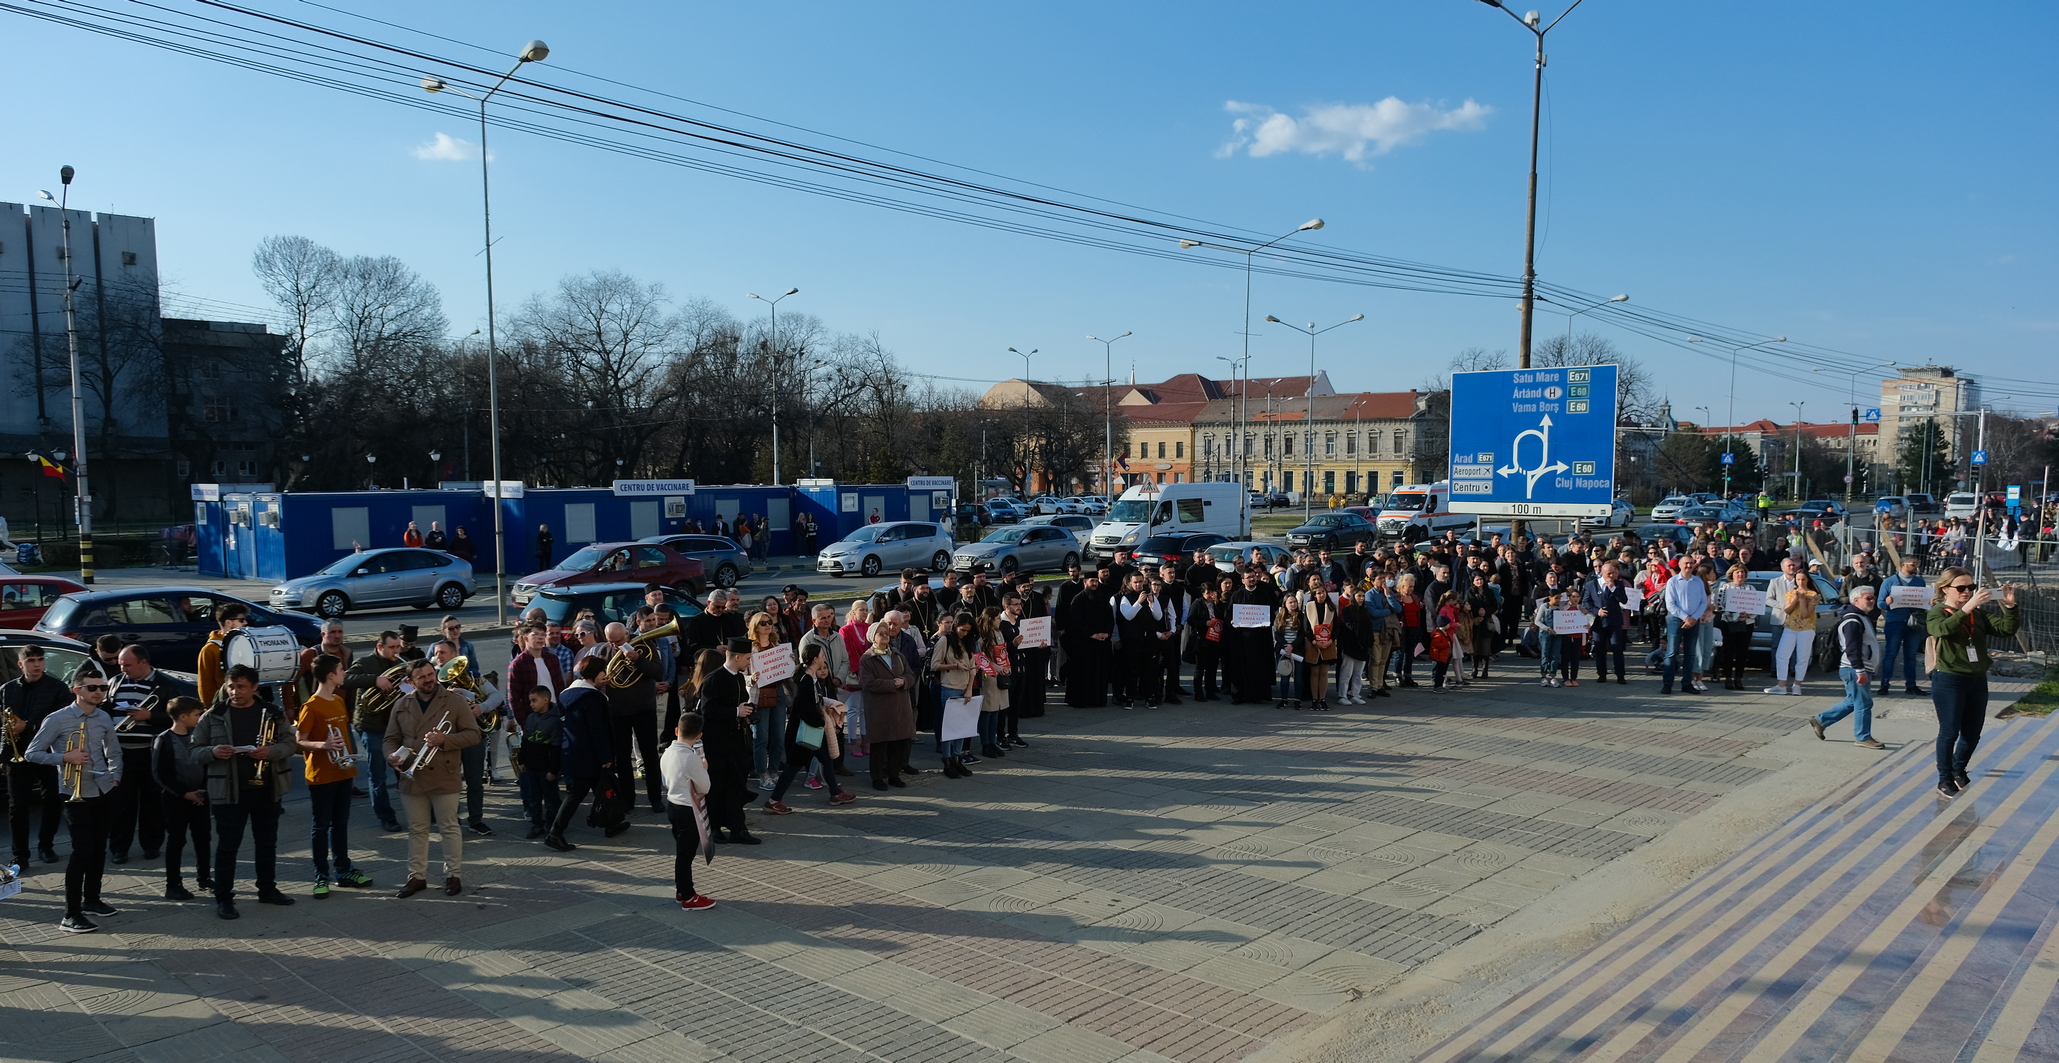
{"points": [[1980, 457], [1729, 458], [1872, 413], [1534, 442]]}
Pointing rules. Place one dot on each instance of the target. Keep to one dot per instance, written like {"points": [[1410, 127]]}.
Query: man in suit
{"points": [[1172, 594], [725, 707], [1606, 598]]}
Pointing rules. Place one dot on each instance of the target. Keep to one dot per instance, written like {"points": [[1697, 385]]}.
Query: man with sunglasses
{"points": [[91, 817], [1959, 687]]}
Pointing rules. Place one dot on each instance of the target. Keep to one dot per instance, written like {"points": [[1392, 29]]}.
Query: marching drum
{"points": [[273, 651]]}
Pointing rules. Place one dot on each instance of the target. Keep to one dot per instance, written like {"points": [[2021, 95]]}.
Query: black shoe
{"points": [[1667, 689], [615, 830], [100, 908], [391, 828], [47, 854], [119, 856], [1884, 690], [176, 892], [77, 924], [359, 791], [273, 897], [1960, 778], [744, 837], [1620, 681], [1174, 699], [880, 784], [227, 910], [1408, 683], [896, 783], [479, 827], [1916, 690], [1384, 692], [911, 771], [845, 773], [1949, 787], [534, 833], [950, 769], [150, 854], [558, 842], [963, 771], [990, 751]]}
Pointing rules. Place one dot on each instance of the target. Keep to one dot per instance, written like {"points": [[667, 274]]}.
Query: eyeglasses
{"points": [[101, 688], [1963, 588]]}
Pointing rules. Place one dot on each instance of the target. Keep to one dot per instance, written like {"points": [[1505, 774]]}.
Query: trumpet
{"points": [[128, 721], [621, 673], [267, 733], [428, 752], [15, 753], [75, 774], [342, 758]]}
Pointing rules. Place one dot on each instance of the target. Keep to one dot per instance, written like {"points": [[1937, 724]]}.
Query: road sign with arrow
{"points": [[1534, 442]]}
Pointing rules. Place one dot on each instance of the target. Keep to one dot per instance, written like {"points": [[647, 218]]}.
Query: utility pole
{"points": [[82, 494]]}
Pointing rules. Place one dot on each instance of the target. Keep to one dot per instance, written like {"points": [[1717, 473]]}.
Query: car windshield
{"points": [[1006, 535], [1405, 500], [1330, 520], [58, 662], [584, 559], [1131, 511], [1162, 544], [1676, 500], [866, 534], [345, 565]]}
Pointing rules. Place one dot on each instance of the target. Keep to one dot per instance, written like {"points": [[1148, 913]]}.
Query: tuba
{"points": [[373, 700], [457, 675], [621, 673]]}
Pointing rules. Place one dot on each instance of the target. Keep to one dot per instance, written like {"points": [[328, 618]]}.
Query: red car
{"points": [[615, 563], [24, 598]]}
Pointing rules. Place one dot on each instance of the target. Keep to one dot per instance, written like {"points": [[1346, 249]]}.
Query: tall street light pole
{"points": [[1730, 430], [1108, 400], [533, 52], [1028, 450], [1584, 309], [1310, 225], [1797, 496], [1237, 404], [772, 345], [1531, 22], [82, 495], [1308, 488]]}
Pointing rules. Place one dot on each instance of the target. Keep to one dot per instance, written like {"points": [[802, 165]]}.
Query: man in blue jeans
{"points": [[1687, 598], [368, 673], [1859, 652], [1901, 638]]}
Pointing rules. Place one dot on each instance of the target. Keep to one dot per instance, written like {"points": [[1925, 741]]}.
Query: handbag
{"points": [[808, 736]]}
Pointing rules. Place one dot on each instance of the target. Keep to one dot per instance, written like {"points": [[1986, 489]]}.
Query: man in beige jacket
{"points": [[419, 722]]}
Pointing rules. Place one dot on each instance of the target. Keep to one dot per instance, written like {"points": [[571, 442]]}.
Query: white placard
{"points": [[961, 718], [1633, 598], [1251, 616], [773, 663], [1568, 622], [1036, 632], [1911, 598], [1744, 601]]}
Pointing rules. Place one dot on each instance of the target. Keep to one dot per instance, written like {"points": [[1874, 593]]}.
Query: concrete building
{"points": [[1773, 444], [1928, 392], [1359, 443]]}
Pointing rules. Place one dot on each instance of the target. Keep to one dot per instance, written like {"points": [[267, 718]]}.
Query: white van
{"points": [[1415, 512], [1963, 504], [1170, 509]]}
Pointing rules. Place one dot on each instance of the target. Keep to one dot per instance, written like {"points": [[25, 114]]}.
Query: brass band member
{"points": [[80, 740], [138, 815], [244, 744], [365, 674], [26, 701], [229, 616], [323, 734], [425, 737]]}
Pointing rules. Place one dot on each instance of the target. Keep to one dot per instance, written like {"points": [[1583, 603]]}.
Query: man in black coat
{"points": [[1174, 598], [138, 814], [1061, 616], [725, 707], [1092, 627], [29, 698], [1248, 651]]}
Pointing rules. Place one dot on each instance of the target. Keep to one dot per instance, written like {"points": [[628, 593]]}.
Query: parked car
{"points": [[896, 544], [1696, 516], [1000, 511], [611, 602], [1924, 505], [1091, 505], [1279, 500], [1079, 524], [1176, 547], [61, 657], [24, 598], [369, 579], [1896, 506], [1962, 504], [721, 558], [1621, 515], [1225, 554], [1670, 506], [172, 621], [1815, 509], [616, 563], [1255, 500], [1023, 548], [1766, 633], [1047, 505], [1678, 533], [1336, 531]]}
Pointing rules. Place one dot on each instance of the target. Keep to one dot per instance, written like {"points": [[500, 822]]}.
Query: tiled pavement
{"points": [[1181, 884], [1885, 923]]}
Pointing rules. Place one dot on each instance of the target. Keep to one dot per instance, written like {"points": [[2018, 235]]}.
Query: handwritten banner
{"points": [[773, 663], [1568, 622], [1251, 616], [1036, 632]]}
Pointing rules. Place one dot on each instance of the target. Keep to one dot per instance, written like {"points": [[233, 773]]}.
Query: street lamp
{"points": [[1310, 225], [1237, 401], [1730, 430], [1584, 309], [1532, 22], [82, 495], [373, 461], [533, 52], [1308, 488], [772, 345], [1852, 397], [1797, 449], [1028, 450], [1108, 400]]}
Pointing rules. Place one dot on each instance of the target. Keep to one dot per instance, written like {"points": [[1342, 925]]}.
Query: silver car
{"points": [[721, 558], [1079, 524], [408, 576], [1023, 548], [1225, 555], [896, 544]]}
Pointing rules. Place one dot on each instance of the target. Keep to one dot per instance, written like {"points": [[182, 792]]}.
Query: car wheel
{"points": [[939, 561], [725, 576], [1070, 560], [450, 596], [1008, 566], [869, 566], [332, 605]]}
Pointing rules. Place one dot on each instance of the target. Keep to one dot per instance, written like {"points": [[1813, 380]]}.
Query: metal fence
{"points": [[2031, 564]]}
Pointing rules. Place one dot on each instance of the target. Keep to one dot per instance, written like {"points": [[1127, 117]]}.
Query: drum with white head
{"points": [[273, 651]]}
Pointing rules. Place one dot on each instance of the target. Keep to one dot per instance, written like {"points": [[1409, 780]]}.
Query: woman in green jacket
{"points": [[1959, 687]]}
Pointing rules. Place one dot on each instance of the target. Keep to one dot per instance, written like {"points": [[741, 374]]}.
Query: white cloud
{"points": [[447, 148], [1356, 131]]}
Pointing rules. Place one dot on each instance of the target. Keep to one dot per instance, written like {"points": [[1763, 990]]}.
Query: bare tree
{"points": [[303, 277], [381, 311]]}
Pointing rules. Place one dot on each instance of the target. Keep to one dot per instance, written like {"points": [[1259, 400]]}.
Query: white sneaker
{"points": [[1544, 681], [1776, 689]]}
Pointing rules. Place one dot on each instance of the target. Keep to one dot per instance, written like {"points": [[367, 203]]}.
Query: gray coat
{"points": [[223, 786]]}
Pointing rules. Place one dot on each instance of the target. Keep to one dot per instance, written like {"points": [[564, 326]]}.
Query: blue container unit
{"points": [[275, 536]]}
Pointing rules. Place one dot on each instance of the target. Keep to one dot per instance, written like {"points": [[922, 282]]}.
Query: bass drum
{"points": [[273, 651]]}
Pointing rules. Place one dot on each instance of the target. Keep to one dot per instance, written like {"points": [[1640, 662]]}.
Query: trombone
{"points": [[428, 752]]}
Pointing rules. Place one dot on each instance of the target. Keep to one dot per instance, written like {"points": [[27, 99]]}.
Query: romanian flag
{"points": [[50, 468]]}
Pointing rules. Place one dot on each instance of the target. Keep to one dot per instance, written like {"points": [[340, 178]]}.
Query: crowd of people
{"points": [[701, 717]]}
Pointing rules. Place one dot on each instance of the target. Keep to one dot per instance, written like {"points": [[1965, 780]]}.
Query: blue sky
{"points": [[1871, 180]]}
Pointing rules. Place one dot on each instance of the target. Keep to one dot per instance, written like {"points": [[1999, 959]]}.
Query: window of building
{"points": [[1400, 441], [1208, 446], [1268, 446], [1350, 483], [1287, 443], [1287, 481], [1247, 449], [185, 469], [246, 470], [221, 411], [1179, 450], [128, 258], [218, 468], [1397, 477], [1329, 482], [1179, 477], [1330, 445], [1351, 442], [1161, 451]]}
